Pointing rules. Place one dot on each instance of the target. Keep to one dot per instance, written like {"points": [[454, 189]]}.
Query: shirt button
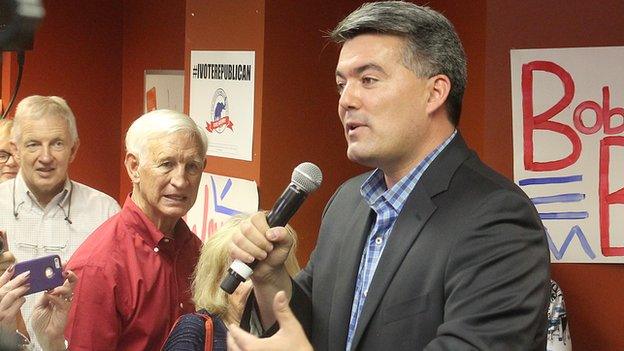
{"points": [[366, 293], [181, 305], [166, 240], [156, 249], [378, 240]]}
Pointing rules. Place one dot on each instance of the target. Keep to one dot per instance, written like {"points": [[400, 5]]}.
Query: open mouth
{"points": [[177, 198], [352, 126], [45, 170]]}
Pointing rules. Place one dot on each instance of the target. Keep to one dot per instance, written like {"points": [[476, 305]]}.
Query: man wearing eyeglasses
{"points": [[43, 212], [8, 165]]}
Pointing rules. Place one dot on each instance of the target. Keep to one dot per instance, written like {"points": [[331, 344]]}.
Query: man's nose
{"points": [[46, 154], [178, 178], [11, 162], [349, 97]]}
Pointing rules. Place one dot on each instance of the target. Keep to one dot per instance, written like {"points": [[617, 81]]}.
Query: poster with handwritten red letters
{"points": [[568, 141], [218, 199]]}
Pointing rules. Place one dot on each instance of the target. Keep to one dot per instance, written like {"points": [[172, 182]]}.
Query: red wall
{"points": [[76, 56], [593, 292], [94, 54], [300, 119], [296, 103], [469, 20], [234, 26], [153, 39]]}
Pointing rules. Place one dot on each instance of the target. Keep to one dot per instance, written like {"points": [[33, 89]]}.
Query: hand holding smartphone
{"points": [[3, 239], [45, 273], [6, 257]]}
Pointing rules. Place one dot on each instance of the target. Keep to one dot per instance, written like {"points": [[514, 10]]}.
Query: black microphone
{"points": [[306, 178]]}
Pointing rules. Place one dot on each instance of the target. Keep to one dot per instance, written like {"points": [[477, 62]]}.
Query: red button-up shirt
{"points": [[133, 283]]}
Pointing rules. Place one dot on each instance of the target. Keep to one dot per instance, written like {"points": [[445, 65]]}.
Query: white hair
{"points": [[157, 124], [38, 107]]}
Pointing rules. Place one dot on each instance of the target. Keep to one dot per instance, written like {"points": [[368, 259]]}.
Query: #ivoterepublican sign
{"points": [[568, 138]]}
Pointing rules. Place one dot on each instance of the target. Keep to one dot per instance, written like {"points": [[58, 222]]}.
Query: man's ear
{"points": [[439, 88], [132, 167], [74, 150]]}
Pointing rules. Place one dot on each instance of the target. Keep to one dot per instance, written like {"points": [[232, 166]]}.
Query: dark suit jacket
{"points": [[466, 266]]}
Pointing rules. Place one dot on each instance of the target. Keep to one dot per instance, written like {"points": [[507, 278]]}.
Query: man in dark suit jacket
{"points": [[433, 250]]}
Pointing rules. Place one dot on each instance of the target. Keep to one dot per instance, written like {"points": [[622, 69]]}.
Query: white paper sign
{"points": [[164, 90], [218, 199], [222, 100], [568, 138]]}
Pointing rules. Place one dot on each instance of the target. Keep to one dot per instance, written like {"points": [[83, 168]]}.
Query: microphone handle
{"points": [[286, 205], [283, 210]]}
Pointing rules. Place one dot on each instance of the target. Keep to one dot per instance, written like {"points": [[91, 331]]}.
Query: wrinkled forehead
{"points": [[181, 143], [43, 125]]}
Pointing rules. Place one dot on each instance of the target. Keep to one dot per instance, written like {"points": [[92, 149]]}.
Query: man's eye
{"points": [[368, 80], [340, 87], [58, 145], [166, 164], [194, 168]]}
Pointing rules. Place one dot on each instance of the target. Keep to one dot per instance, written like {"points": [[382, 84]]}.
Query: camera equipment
{"points": [[18, 21]]}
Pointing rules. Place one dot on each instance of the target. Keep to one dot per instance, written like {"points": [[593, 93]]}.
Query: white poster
{"points": [[218, 199], [222, 100], [568, 138], [164, 89]]}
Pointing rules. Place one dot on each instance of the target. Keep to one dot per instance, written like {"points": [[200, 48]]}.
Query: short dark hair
{"points": [[432, 45]]}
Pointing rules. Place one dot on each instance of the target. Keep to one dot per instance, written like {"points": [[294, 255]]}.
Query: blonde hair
{"points": [[214, 262], [5, 128], [37, 107]]}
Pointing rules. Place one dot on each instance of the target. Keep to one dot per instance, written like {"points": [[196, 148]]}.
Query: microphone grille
{"points": [[307, 176]]}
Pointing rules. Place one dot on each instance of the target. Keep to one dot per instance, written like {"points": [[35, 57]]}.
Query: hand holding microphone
{"points": [[306, 178]]}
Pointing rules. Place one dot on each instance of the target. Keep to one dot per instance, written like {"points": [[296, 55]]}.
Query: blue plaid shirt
{"points": [[387, 204]]}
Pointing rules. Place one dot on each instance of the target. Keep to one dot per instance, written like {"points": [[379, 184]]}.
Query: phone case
{"points": [[45, 273]]}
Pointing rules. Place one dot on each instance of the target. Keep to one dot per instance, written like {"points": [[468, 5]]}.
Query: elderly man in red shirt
{"points": [[134, 271]]}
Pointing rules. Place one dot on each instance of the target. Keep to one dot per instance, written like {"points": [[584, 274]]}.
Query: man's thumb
{"points": [[281, 309]]}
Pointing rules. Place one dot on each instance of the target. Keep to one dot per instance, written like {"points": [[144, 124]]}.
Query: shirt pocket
{"points": [[405, 308]]}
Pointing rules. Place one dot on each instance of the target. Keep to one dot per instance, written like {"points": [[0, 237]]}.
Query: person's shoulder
{"points": [[189, 333], [486, 178], [87, 193], [107, 235], [355, 183], [100, 246]]}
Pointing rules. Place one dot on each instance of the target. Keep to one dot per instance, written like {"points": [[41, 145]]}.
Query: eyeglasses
{"points": [[44, 248], [4, 156]]}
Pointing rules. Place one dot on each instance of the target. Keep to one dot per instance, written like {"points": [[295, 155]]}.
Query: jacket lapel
{"points": [[346, 274], [405, 232], [415, 214]]}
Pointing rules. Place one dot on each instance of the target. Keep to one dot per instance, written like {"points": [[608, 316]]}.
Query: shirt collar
{"points": [[374, 188], [24, 195], [138, 222]]}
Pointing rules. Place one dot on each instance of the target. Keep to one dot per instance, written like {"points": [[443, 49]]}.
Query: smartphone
{"points": [[45, 273]]}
